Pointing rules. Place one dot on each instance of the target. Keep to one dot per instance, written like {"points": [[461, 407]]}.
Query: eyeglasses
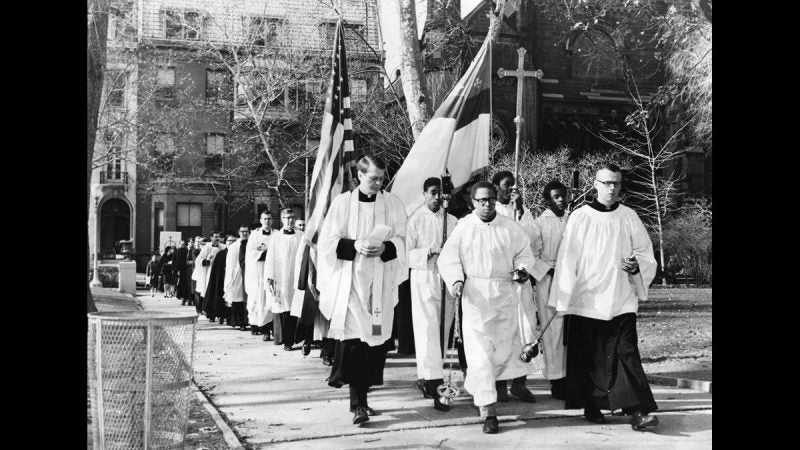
{"points": [[486, 200], [610, 184]]}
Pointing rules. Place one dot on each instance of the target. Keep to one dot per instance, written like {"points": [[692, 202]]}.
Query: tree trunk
{"points": [[95, 65], [400, 19]]}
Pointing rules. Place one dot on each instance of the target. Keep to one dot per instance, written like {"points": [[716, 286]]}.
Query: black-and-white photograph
{"points": [[399, 224]]}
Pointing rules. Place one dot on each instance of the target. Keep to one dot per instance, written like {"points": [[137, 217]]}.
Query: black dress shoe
{"points": [[327, 361], [421, 387], [288, 348], [523, 393], [242, 328], [594, 415], [254, 331], [439, 406], [306, 349], [490, 426], [370, 411], [641, 422], [360, 415]]}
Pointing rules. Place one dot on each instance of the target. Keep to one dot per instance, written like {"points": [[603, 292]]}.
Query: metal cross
{"points": [[521, 74]]}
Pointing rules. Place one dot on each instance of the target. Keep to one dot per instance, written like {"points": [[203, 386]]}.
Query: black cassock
{"points": [[182, 288], [604, 366], [215, 303], [403, 321]]}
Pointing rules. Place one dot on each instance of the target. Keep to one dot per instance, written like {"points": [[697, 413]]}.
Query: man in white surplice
{"points": [[509, 204], [259, 300], [492, 251], [547, 231], [204, 261], [279, 271], [234, 280], [362, 260], [424, 243]]}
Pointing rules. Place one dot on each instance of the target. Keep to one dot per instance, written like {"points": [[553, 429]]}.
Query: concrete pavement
{"points": [[281, 399]]}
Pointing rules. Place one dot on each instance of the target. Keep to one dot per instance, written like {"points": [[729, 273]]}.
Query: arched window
{"points": [[596, 55]]}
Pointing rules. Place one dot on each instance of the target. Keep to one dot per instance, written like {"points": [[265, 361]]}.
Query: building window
{"points": [[262, 30], [114, 164], [189, 219], [165, 87], [358, 91], [353, 43], [116, 91], [165, 151], [158, 215], [218, 87], [189, 214], [595, 57], [182, 25], [215, 151]]}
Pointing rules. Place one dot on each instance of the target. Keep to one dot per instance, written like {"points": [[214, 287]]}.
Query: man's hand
{"points": [[261, 247], [630, 265], [523, 275], [434, 251], [362, 246], [458, 288]]}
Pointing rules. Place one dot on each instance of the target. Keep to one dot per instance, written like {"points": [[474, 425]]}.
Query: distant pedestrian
{"points": [[168, 271], [152, 274]]}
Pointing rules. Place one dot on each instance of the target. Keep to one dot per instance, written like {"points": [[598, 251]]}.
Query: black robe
{"points": [[215, 302], [403, 321], [182, 288]]}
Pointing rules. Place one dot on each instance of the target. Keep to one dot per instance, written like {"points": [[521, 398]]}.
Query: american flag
{"points": [[335, 164]]}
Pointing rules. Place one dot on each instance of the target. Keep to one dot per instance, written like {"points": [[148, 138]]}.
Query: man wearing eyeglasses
{"points": [[279, 272], [605, 264], [494, 253]]}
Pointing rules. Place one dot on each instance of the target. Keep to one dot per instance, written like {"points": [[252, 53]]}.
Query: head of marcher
{"points": [[216, 237], [555, 196], [287, 218], [244, 231], [371, 170], [432, 190], [503, 181], [266, 220], [230, 238], [300, 224], [182, 244], [484, 197], [155, 257], [608, 182]]}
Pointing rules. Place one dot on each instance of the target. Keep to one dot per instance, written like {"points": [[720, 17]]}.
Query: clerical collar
{"points": [[494, 216], [288, 231], [265, 233], [362, 197], [557, 212], [603, 208]]}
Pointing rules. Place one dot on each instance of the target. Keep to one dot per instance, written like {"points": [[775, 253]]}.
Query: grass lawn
{"points": [[674, 327]]}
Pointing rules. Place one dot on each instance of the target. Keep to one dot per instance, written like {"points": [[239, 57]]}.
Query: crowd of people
{"points": [[567, 282]]}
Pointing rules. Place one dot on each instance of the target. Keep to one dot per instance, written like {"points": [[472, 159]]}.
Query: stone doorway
{"points": [[115, 225]]}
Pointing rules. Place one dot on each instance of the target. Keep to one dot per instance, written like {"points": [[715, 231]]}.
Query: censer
{"points": [[448, 391], [530, 350]]}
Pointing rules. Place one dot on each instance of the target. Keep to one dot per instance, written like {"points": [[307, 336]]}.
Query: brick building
{"points": [[174, 125]]}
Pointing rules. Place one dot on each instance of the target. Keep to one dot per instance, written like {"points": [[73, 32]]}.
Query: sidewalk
{"points": [[277, 398]]}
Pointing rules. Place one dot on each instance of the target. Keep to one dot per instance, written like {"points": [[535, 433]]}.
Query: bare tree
{"points": [[95, 68]]}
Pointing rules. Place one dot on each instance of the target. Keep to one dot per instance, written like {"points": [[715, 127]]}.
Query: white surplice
{"points": [[280, 266], [234, 278], [423, 232], [259, 300], [589, 280], [359, 296], [208, 252], [547, 231], [487, 252]]}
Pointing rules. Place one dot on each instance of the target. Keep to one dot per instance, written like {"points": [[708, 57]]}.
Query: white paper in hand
{"points": [[379, 234]]}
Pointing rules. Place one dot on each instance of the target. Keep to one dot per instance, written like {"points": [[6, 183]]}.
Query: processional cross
{"points": [[521, 74]]}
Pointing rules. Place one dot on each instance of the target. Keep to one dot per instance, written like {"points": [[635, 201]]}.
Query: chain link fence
{"points": [[140, 375]]}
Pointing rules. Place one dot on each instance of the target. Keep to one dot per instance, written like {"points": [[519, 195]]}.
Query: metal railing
{"points": [[113, 177]]}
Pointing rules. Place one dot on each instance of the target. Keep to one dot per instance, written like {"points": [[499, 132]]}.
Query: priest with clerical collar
{"points": [[259, 300], [361, 262], [279, 271], [604, 266]]}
